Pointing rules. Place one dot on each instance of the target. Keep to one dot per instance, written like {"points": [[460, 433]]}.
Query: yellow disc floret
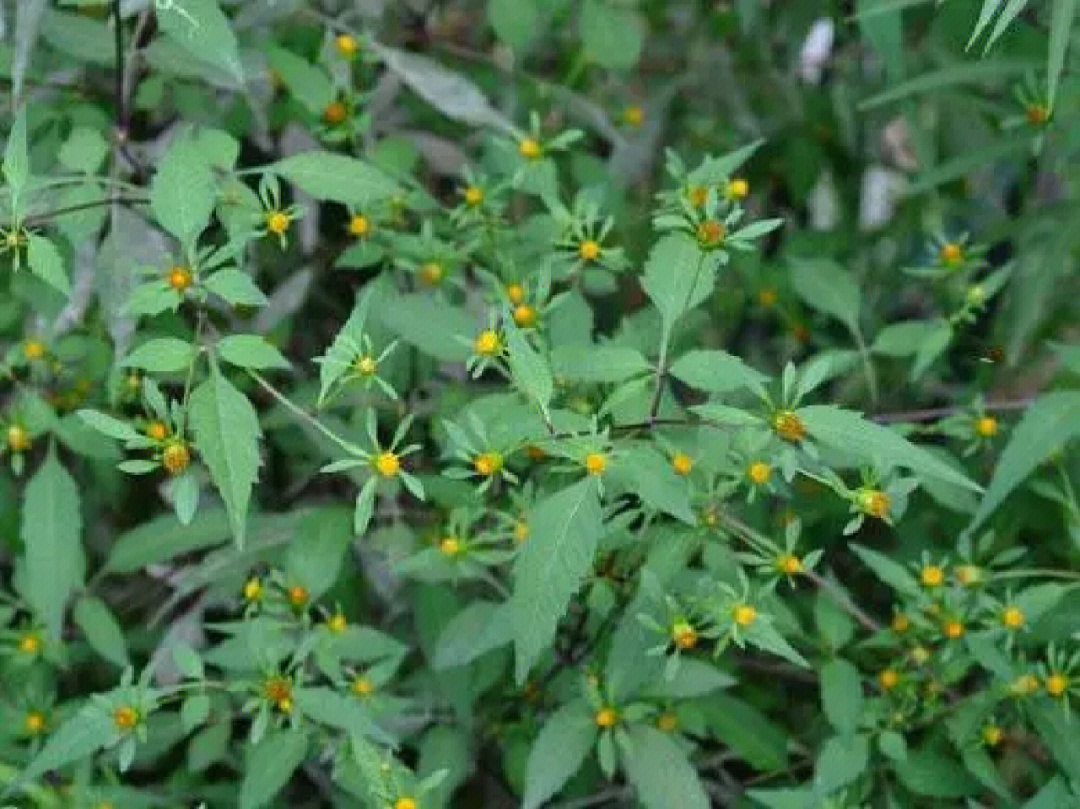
{"points": [[33, 349], [875, 503], [387, 464], [253, 590], [525, 315], [529, 148], [362, 686], [1013, 617], [474, 195], [1057, 684], [789, 564], [451, 545], [596, 463], [589, 250], [888, 679], [125, 717], [931, 576], [789, 425], [738, 188], [359, 225], [711, 232], [986, 426], [277, 222], [157, 430], [606, 717], [684, 635], [951, 254], [487, 463], [18, 440], [759, 472], [744, 614], [346, 45], [487, 343], [175, 457], [681, 463]]}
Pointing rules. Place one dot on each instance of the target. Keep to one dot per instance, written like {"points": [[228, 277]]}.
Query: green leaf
{"points": [[678, 276], [828, 288], [338, 710], [103, 423], [559, 749], [661, 772], [564, 530], [1062, 17], [960, 73], [850, 433], [436, 328], [528, 369], [17, 163], [53, 564], [308, 84], [692, 678], [516, 22], [163, 538], [182, 191], [101, 629], [475, 630], [841, 761], [204, 31], [1059, 731], [717, 371], [578, 362], [446, 755], [84, 150], [892, 573], [748, 732], [235, 286], [227, 436], [45, 262], [79, 737], [653, 480], [842, 695], [336, 177], [611, 36], [932, 773], [269, 766], [162, 355], [250, 351], [1047, 424]]}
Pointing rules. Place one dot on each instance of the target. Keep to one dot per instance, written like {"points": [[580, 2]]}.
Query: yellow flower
{"points": [[366, 365], [681, 463], [931, 576], [487, 463], [525, 315], [521, 531], [431, 273], [738, 188], [951, 254], [359, 225], [759, 472], [33, 349], [967, 575], [767, 297], [596, 463], [992, 735], [30, 643], [900, 623], [875, 503], [334, 113], [387, 464], [405, 803], [789, 425], [711, 232], [986, 426], [789, 564], [278, 691], [1057, 684], [473, 195], [1037, 114], [175, 457], [634, 115], [888, 679], [1013, 617], [18, 440], [698, 195], [667, 722], [684, 635], [34, 722], [337, 623], [487, 343], [253, 589], [744, 614], [277, 222], [606, 717], [589, 250], [362, 686], [125, 717], [529, 148], [157, 430], [953, 629], [515, 292], [346, 45], [451, 545], [297, 596]]}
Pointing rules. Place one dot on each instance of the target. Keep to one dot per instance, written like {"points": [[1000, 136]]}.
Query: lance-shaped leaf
{"points": [[564, 531], [227, 436], [661, 772], [336, 177], [53, 564], [559, 749], [203, 30], [182, 191]]}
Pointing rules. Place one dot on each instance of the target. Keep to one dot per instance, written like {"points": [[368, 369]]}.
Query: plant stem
{"points": [[304, 416]]}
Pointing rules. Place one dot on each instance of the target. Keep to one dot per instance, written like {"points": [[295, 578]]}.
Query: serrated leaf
{"points": [[182, 191], [475, 630], [849, 432], [716, 371], [660, 771], [559, 749], [336, 177], [204, 31], [236, 287], [101, 629], [1046, 425], [338, 710], [270, 764], [678, 276], [892, 573], [434, 327], [748, 732], [308, 84], [84, 150], [53, 564], [250, 351], [840, 762], [528, 369], [828, 288], [45, 262], [17, 162], [841, 695], [516, 22], [112, 427], [162, 355], [577, 362], [227, 432], [564, 530], [655, 482], [611, 36], [82, 735]]}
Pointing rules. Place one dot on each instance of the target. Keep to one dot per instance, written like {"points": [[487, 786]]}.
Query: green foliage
{"points": [[518, 403]]}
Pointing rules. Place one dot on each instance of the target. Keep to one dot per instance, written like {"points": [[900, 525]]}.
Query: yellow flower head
{"points": [[529, 148], [759, 472], [346, 45], [986, 426], [125, 717], [1013, 617], [277, 222], [744, 614], [931, 576], [589, 250], [487, 343], [606, 717], [684, 635], [473, 195], [387, 464], [681, 463], [789, 425], [888, 679], [596, 463], [175, 457]]}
